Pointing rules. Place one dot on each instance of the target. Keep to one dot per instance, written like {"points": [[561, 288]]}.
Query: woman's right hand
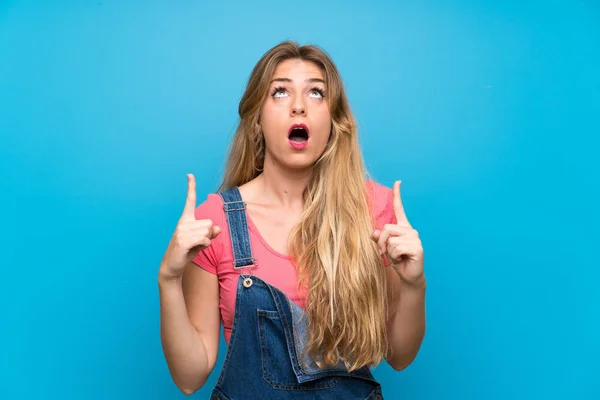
{"points": [[190, 237]]}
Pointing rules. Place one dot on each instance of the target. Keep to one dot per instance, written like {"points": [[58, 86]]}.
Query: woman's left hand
{"points": [[401, 244]]}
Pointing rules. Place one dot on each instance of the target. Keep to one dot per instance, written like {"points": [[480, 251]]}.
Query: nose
{"points": [[298, 108]]}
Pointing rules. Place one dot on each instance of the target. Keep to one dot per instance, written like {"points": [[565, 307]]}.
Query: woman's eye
{"points": [[279, 92], [316, 93]]}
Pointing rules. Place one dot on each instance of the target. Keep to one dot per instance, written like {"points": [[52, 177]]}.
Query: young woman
{"points": [[313, 269]]}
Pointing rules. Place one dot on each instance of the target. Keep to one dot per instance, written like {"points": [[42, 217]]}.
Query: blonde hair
{"points": [[337, 260]]}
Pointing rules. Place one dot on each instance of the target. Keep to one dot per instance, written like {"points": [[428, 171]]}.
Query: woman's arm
{"points": [[406, 285], [406, 323], [190, 326]]}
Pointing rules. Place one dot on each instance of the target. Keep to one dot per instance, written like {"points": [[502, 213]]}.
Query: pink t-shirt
{"points": [[273, 267]]}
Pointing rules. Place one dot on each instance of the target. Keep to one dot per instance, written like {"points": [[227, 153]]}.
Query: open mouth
{"points": [[298, 133]]}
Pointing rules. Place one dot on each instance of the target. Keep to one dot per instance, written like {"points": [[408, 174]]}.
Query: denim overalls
{"points": [[265, 355]]}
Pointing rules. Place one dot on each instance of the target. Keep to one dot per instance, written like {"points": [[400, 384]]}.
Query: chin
{"points": [[299, 165], [297, 161], [291, 159]]}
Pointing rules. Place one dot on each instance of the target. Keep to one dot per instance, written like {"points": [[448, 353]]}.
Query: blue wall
{"points": [[488, 112]]}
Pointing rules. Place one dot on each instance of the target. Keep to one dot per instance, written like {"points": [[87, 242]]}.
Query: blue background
{"points": [[488, 112]]}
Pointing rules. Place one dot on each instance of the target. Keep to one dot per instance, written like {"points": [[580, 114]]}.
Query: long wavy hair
{"points": [[337, 261]]}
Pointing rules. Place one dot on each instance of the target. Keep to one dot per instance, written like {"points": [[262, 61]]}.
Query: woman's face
{"points": [[296, 98]]}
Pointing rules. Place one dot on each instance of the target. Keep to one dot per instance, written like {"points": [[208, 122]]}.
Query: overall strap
{"points": [[235, 211]]}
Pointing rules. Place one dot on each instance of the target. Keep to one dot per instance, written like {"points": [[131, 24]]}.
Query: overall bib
{"points": [[265, 358]]}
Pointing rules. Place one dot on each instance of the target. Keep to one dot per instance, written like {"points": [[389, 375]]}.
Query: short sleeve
{"points": [[382, 207], [209, 258], [381, 199]]}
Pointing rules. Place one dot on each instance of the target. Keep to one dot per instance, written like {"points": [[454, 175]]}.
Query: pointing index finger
{"points": [[401, 217], [190, 203]]}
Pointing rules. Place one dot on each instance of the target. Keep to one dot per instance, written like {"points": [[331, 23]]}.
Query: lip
{"points": [[299, 126], [299, 145]]}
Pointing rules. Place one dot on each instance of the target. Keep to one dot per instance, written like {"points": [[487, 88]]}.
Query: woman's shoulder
{"points": [[378, 193], [211, 208], [380, 199], [377, 188]]}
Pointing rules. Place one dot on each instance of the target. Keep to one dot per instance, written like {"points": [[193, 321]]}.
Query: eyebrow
{"points": [[310, 80]]}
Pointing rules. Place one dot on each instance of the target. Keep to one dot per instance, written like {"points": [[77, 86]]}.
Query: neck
{"points": [[283, 186]]}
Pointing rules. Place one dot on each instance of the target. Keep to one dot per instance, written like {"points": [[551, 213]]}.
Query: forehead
{"points": [[297, 70]]}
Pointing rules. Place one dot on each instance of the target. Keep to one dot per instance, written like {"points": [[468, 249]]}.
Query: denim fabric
{"points": [[265, 358]]}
